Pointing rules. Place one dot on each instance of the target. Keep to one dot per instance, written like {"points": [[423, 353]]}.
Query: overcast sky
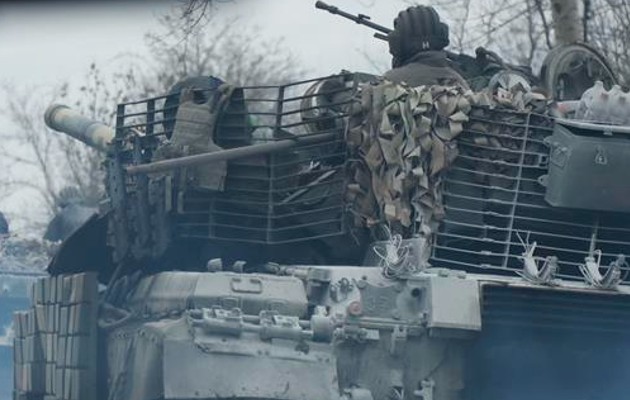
{"points": [[43, 44]]}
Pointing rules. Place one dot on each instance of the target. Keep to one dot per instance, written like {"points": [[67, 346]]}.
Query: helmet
{"points": [[416, 29]]}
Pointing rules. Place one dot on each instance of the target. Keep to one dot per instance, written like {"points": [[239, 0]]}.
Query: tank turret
{"points": [[209, 168]]}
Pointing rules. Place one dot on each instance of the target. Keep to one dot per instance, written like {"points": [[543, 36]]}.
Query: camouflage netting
{"points": [[24, 255], [403, 142]]}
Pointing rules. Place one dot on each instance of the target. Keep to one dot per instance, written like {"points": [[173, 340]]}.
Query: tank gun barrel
{"points": [[360, 19], [63, 119], [229, 154], [98, 135]]}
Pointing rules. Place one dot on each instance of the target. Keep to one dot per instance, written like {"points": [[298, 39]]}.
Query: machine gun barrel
{"points": [[229, 154], [93, 133], [360, 19]]}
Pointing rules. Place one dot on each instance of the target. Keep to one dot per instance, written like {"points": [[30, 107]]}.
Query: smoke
{"points": [[7, 336], [522, 363]]}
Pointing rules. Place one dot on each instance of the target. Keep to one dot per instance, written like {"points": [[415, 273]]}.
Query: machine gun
{"points": [[360, 19], [479, 71], [567, 70]]}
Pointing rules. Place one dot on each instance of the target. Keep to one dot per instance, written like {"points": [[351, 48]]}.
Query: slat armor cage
{"points": [[495, 201], [493, 195], [287, 196]]}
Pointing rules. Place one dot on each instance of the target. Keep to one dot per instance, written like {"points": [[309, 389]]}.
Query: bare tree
{"points": [[39, 162], [567, 20], [608, 29], [231, 51], [27, 154], [523, 31], [194, 13], [516, 29]]}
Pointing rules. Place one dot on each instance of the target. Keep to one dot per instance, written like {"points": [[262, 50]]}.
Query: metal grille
{"points": [[548, 344], [493, 200], [295, 194], [574, 311]]}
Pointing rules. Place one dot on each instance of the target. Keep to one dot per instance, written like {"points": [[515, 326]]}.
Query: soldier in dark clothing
{"points": [[417, 44]]}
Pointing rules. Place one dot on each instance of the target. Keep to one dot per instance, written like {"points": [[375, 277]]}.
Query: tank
{"points": [[255, 244]]}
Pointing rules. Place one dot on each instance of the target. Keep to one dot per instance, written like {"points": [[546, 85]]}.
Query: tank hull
{"points": [[333, 333]]}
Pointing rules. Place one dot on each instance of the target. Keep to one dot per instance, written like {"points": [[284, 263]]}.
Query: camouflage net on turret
{"points": [[403, 142]]}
